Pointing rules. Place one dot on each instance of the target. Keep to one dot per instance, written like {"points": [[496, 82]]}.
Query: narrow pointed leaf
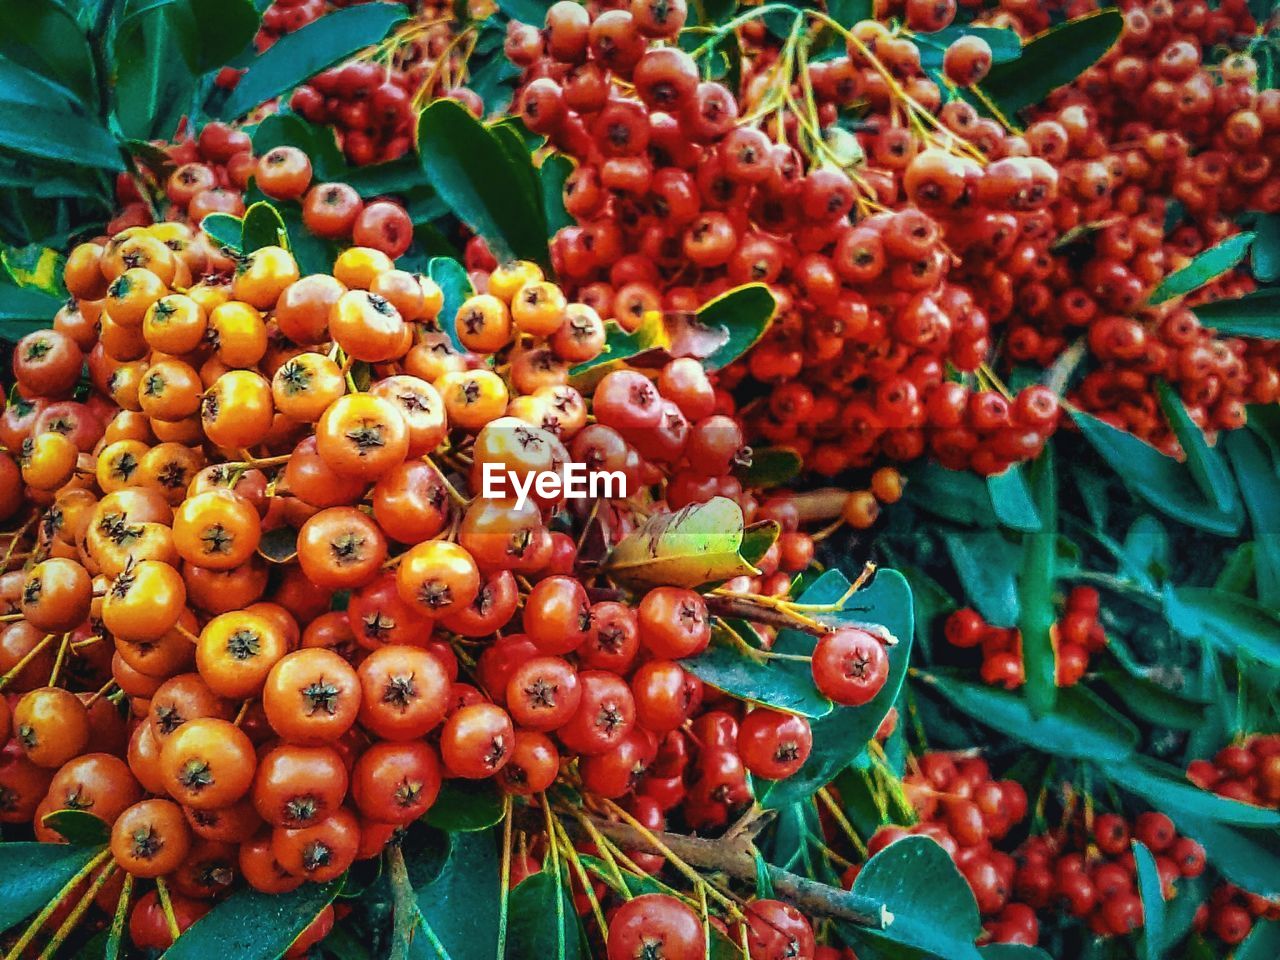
{"points": [[1255, 472], [250, 925], [1151, 890], [31, 874], [1232, 623], [1255, 314], [1036, 613], [456, 286], [1204, 462], [1204, 268], [987, 565], [1167, 788]]}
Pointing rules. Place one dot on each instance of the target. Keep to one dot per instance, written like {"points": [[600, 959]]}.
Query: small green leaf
{"points": [[987, 565], [473, 173], [1256, 474], [296, 56], [744, 313], [226, 230], [263, 227], [1266, 248], [1205, 463], [1146, 548], [31, 874], [1232, 623], [1082, 726], [24, 310], [1052, 59], [770, 467], [1167, 788], [79, 827], [537, 930], [1011, 499], [696, 545], [1152, 892], [1163, 482], [785, 685], [465, 805], [1036, 614], [456, 286], [552, 174], [620, 346], [1255, 314], [1204, 268]]}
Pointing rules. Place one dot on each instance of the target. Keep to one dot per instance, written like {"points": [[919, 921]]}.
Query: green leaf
{"points": [[24, 310], [619, 346], [473, 173], [401, 175], [1152, 702], [224, 27], [1167, 788], [1011, 499], [320, 44], [1266, 248], [958, 495], [79, 827], [1081, 726], [1246, 856], [1163, 482], [532, 12], [744, 313], [457, 893], [250, 925], [226, 230], [1151, 890], [1204, 268], [1005, 44], [456, 286], [1263, 943], [43, 36], [31, 874], [932, 905], [636, 883], [1012, 951], [696, 545], [785, 685], [57, 135], [1206, 465], [552, 174], [1146, 548], [770, 467], [987, 565], [842, 735], [1232, 623], [1256, 474], [536, 929], [263, 227], [155, 51], [465, 805], [1051, 60], [1036, 614], [1255, 314], [317, 142]]}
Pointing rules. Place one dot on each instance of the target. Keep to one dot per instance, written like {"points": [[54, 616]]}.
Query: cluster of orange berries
{"points": [[1076, 637]]}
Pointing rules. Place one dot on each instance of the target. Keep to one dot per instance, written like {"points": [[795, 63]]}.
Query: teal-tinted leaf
{"points": [[31, 874], [932, 904], [785, 685], [224, 29], [1012, 951], [402, 175], [1163, 482], [43, 36], [1255, 314], [1146, 548], [456, 286], [302, 54], [1036, 614], [987, 565], [1154, 703], [1167, 788], [18, 85], [842, 735], [532, 12], [23, 310], [929, 600], [1255, 472], [225, 230], [1011, 499], [958, 495], [1051, 60], [1263, 943], [1005, 44], [1232, 623], [494, 83], [314, 254], [1236, 575], [457, 894], [79, 827], [263, 227], [465, 805], [57, 135], [1151, 890], [250, 925], [1204, 268], [1081, 725], [620, 346], [552, 174], [745, 313], [536, 929], [473, 173], [1266, 248], [1206, 464], [1246, 856], [770, 467], [286, 129]]}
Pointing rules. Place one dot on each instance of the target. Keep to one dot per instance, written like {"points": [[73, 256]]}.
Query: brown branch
{"points": [[742, 609]]}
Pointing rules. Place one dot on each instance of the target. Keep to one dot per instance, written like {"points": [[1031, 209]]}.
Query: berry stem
{"points": [[74, 918], [19, 948], [30, 655], [166, 905]]}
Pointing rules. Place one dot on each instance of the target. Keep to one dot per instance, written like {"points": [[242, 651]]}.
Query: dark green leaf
{"points": [[79, 827], [302, 54], [250, 925], [1152, 702], [314, 254], [18, 85], [536, 929], [770, 467], [224, 29], [457, 895], [636, 883], [785, 685], [532, 12], [155, 51], [466, 805], [31, 874], [1266, 248], [493, 82], [1167, 788], [1012, 951], [1206, 465], [1255, 473], [1204, 268], [1036, 614], [745, 313], [42, 35], [1232, 623], [1146, 547], [456, 286], [263, 227], [1237, 572], [23, 310], [57, 135], [1051, 60], [842, 735], [1151, 890], [1263, 943], [1081, 726], [987, 565], [849, 12], [1163, 482], [1255, 314], [226, 230], [552, 174], [929, 600], [472, 172], [1011, 499], [958, 495], [932, 905], [395, 176], [1005, 44]]}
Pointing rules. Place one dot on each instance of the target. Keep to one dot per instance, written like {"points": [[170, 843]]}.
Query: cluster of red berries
{"points": [[1230, 913], [1091, 872], [1248, 771], [370, 108], [1076, 636]]}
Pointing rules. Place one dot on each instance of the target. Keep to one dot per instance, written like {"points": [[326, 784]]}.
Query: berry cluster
{"points": [[1230, 913], [1248, 771], [1076, 636]]}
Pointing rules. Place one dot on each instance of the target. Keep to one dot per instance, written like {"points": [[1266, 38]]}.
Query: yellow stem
{"points": [[42, 917]]}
